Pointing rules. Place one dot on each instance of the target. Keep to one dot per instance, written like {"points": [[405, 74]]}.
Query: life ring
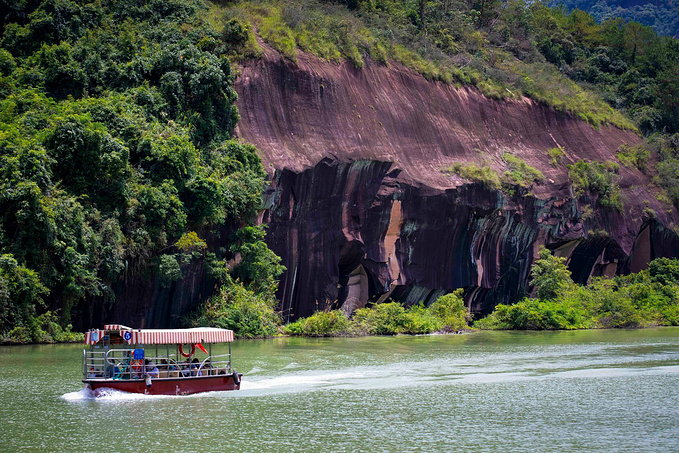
{"points": [[181, 350]]}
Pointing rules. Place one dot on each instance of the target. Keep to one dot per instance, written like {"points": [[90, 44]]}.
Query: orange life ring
{"points": [[181, 350]]}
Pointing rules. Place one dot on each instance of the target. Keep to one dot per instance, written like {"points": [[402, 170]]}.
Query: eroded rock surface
{"points": [[360, 209]]}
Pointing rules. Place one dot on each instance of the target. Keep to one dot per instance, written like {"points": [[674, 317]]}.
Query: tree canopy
{"points": [[116, 152]]}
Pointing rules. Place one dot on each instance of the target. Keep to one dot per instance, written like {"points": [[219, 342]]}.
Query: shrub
{"points": [[520, 173], [664, 271], [419, 319], [248, 314], [274, 31], [19, 335], [259, 266], [320, 324], [648, 298], [634, 157], [237, 34], [169, 270], [42, 329], [597, 178], [483, 175], [549, 275], [450, 310], [382, 319], [190, 242], [556, 155], [535, 314]]}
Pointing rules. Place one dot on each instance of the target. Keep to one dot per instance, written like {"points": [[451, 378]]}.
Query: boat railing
{"points": [[120, 364]]}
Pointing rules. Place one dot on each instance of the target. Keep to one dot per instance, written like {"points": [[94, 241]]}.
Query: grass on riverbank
{"points": [[648, 298], [447, 314]]}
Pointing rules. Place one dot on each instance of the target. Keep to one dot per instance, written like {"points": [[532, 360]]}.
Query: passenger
{"points": [[207, 368], [151, 369], [186, 368], [92, 373], [195, 368]]}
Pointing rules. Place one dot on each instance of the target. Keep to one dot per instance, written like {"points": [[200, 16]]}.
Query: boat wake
{"points": [[105, 394], [296, 381]]}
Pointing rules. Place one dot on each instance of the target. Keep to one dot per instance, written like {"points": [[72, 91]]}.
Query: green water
{"points": [[490, 391]]}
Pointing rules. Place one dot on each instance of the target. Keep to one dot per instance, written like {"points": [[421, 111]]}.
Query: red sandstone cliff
{"points": [[359, 208]]}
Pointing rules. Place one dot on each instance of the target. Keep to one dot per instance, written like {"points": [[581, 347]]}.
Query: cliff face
{"points": [[360, 209]]}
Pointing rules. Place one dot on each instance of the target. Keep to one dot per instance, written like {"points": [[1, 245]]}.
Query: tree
{"points": [[549, 275]]}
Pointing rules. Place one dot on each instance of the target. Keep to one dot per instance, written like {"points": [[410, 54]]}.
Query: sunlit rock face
{"points": [[360, 210]]}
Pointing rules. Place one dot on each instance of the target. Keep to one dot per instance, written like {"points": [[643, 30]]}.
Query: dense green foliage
{"points": [[117, 158], [667, 150], [649, 298], [447, 314], [115, 154], [549, 275], [247, 313], [661, 15], [320, 324]]}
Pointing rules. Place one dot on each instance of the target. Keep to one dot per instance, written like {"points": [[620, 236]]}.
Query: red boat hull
{"points": [[168, 386]]}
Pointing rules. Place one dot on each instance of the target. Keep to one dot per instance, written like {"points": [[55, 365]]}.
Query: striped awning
{"points": [[180, 336], [116, 327], [163, 336]]}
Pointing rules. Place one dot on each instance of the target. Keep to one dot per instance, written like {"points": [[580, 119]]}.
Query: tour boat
{"points": [[158, 361]]}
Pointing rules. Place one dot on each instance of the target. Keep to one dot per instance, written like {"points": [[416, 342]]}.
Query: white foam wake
{"points": [[106, 394], [297, 380]]}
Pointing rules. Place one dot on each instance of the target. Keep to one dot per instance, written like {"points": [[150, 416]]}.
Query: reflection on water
{"points": [[491, 391]]}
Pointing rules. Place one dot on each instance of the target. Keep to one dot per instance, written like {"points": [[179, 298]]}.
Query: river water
{"points": [[615, 390]]}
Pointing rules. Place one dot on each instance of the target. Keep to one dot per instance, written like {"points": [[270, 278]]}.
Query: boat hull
{"points": [[168, 386]]}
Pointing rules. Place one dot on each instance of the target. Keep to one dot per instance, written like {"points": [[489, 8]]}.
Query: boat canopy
{"points": [[162, 336]]}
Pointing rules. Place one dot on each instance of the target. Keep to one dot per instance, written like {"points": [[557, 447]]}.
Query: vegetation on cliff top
{"points": [[506, 49], [116, 158], [616, 72]]}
